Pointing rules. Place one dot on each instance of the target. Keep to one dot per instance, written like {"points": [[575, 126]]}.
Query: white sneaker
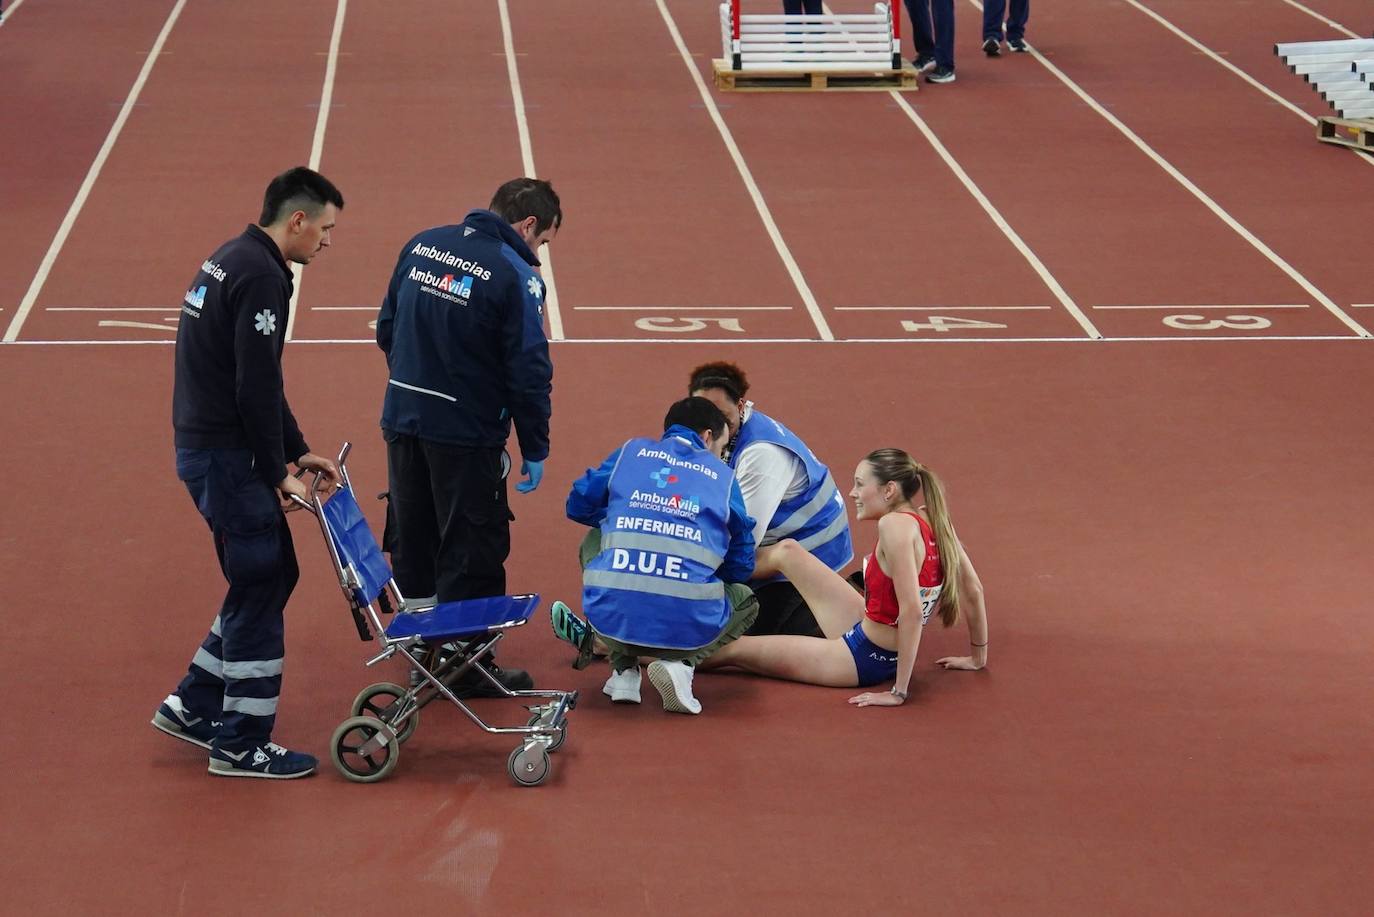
{"points": [[674, 681], [623, 687]]}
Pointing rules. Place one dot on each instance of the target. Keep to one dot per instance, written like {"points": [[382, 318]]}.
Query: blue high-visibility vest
{"points": [[664, 536], [816, 517]]}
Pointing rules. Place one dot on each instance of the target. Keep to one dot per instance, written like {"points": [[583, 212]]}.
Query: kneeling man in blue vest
{"points": [[665, 566]]}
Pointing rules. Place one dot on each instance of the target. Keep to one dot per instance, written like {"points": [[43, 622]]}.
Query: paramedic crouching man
{"points": [[665, 564]]}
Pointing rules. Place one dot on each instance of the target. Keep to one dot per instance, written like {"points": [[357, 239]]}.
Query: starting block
{"points": [[832, 51], [1342, 73]]}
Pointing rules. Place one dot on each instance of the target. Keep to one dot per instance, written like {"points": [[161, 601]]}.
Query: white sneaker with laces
{"points": [[674, 682], [623, 687]]}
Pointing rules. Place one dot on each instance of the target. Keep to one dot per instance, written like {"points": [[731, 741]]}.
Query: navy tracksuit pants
{"points": [[1016, 19], [932, 30], [235, 677]]}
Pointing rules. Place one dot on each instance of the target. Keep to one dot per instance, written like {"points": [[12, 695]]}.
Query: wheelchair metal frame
{"points": [[547, 728]]}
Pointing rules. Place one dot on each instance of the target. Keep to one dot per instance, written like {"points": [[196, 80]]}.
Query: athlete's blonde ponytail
{"points": [[895, 465]]}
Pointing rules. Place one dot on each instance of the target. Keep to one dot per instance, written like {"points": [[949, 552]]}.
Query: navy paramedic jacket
{"points": [[462, 327], [228, 389], [674, 530]]}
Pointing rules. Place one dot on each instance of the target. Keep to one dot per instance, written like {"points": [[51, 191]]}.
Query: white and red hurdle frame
{"points": [[790, 25]]}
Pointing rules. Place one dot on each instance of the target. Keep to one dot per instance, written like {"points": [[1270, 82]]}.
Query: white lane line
{"points": [[9, 13], [941, 308], [1162, 339], [803, 289], [26, 304], [1318, 16], [343, 308], [684, 308], [1362, 305], [1012, 235], [110, 323], [527, 156], [331, 66], [1288, 269], [1236, 70], [111, 309], [1213, 306]]}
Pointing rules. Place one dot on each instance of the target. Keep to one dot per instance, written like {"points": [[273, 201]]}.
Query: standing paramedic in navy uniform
{"points": [[462, 327], [665, 563], [234, 436]]}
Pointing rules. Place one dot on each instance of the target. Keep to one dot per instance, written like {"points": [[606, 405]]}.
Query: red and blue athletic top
{"points": [[880, 595]]}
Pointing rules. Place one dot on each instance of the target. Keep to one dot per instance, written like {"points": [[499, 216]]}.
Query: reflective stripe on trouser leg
{"points": [[202, 689], [253, 635]]}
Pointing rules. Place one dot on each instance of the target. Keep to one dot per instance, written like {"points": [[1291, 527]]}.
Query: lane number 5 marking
{"points": [[684, 325]]}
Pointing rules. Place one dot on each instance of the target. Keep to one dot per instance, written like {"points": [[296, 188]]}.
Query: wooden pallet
{"points": [[728, 80], [1358, 133]]}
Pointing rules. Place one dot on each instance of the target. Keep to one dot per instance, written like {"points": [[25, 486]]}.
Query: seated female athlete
{"points": [[918, 566]]}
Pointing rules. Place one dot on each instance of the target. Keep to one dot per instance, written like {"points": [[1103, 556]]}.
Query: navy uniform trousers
{"points": [[235, 677], [932, 30], [1016, 20]]}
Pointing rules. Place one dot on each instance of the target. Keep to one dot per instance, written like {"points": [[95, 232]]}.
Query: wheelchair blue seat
{"points": [[463, 620], [366, 746]]}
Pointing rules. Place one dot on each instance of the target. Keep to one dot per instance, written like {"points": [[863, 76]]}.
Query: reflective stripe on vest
{"points": [[815, 518], [654, 582], [662, 544]]}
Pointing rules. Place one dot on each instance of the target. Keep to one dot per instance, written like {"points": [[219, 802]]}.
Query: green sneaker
{"points": [[571, 629]]}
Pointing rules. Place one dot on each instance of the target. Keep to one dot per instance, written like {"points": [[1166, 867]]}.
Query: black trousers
{"points": [[448, 519], [783, 611]]}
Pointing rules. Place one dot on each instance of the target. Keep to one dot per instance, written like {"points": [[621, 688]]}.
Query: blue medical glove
{"points": [[533, 472]]}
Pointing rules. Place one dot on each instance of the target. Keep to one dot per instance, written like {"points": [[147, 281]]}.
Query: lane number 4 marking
{"points": [[947, 323]]}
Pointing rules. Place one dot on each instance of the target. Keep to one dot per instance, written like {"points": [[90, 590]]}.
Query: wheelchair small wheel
{"points": [[376, 700], [528, 765], [346, 749], [559, 738]]}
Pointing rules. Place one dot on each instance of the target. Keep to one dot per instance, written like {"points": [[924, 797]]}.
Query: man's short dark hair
{"points": [[298, 189], [697, 415], [528, 197]]}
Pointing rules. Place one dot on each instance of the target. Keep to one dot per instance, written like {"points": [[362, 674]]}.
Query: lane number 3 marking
{"points": [[1202, 323]]}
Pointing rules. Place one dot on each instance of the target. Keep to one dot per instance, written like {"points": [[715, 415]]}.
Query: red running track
{"points": [[1171, 533]]}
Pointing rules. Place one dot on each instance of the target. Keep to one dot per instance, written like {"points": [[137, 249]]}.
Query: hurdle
{"points": [[771, 52], [1342, 73]]}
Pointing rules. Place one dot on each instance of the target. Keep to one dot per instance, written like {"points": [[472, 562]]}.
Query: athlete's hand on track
{"points": [[964, 663], [876, 699]]}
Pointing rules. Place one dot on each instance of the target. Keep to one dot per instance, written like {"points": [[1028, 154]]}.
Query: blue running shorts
{"points": [[873, 663]]}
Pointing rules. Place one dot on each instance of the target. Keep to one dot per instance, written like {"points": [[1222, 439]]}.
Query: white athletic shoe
{"points": [[623, 687], [674, 681]]}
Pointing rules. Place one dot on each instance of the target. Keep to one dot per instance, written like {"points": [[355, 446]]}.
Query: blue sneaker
{"points": [[269, 760], [171, 717]]}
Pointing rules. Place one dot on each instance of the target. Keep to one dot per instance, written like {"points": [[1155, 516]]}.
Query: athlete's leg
{"points": [[833, 602], [805, 659]]}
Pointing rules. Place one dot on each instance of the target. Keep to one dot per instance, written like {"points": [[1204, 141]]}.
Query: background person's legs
{"points": [[993, 12], [1016, 21], [922, 36]]}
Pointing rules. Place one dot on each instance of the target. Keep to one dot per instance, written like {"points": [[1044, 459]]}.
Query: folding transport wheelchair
{"points": [[441, 643]]}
